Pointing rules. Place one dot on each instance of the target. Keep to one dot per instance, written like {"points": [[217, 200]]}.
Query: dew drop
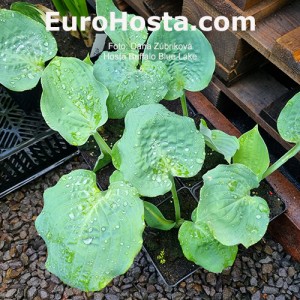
{"points": [[88, 241]]}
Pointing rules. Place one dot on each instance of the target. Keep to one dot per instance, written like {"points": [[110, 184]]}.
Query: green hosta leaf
{"points": [[228, 208], [128, 38], [128, 86], [92, 236], [158, 144], [219, 141], [29, 10], [24, 48], [199, 246], [253, 152], [192, 74], [289, 120], [155, 219], [73, 101]]}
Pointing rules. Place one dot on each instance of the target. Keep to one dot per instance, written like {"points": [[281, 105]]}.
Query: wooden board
{"points": [[245, 4], [146, 8], [234, 56], [261, 10], [278, 39]]}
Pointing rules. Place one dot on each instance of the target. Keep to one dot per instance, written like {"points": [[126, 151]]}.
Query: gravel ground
{"points": [[264, 271]]}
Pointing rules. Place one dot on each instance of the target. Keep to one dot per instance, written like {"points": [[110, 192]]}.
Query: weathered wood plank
{"points": [[245, 4], [271, 36], [234, 56], [146, 8], [260, 11]]}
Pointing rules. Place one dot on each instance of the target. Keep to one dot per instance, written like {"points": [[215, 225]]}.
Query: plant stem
{"points": [[292, 152], [184, 105], [102, 144], [176, 202]]}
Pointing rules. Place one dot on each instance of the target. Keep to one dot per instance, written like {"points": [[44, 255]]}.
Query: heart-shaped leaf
{"points": [[128, 85], [253, 152], [228, 208], [25, 47], [191, 66], [219, 141], [73, 101], [158, 144], [129, 39], [289, 120], [199, 246], [91, 236]]}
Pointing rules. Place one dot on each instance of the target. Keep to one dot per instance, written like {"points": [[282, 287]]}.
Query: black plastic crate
{"points": [[28, 147]]}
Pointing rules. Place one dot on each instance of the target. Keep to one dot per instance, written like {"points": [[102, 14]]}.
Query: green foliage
{"points": [[192, 74], [155, 219], [155, 145], [126, 38], [131, 85], [29, 10], [226, 206], [25, 47], [289, 120], [73, 101], [199, 246], [91, 236], [253, 152], [219, 141]]}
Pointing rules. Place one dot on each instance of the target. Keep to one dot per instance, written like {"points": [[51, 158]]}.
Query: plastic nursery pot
{"points": [[28, 100]]}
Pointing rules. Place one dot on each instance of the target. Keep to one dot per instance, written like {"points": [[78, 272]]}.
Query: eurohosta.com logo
{"points": [[154, 23]]}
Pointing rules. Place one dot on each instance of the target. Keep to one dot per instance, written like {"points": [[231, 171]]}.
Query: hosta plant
{"points": [[93, 236]]}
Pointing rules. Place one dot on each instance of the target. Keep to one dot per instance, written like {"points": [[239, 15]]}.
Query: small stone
{"points": [[268, 250], [151, 288], [206, 289], [98, 296], [23, 234], [266, 260], [24, 259], [267, 269], [256, 296], [4, 266], [281, 297], [291, 271], [270, 290], [211, 279], [294, 288], [111, 297], [31, 292], [10, 293], [227, 294], [6, 255], [279, 283], [282, 272], [44, 294], [253, 281]]}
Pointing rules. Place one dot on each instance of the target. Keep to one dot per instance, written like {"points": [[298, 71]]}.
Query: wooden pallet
{"points": [[147, 8], [277, 36]]}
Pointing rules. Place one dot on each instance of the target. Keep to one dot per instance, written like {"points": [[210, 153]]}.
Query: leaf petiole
{"points": [[105, 157], [178, 219], [292, 152], [184, 105]]}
